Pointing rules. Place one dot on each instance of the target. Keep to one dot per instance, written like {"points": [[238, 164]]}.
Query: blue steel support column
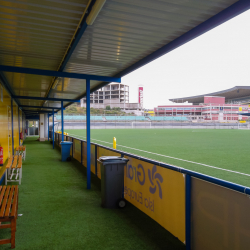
{"points": [[19, 126], [48, 127], [188, 211], [95, 160], [53, 125], [81, 150], [12, 126], [88, 134], [62, 119]]}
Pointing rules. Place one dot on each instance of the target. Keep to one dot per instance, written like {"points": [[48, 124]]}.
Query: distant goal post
{"points": [[141, 125], [243, 125]]}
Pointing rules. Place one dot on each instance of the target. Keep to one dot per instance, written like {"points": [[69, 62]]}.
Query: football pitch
{"points": [[219, 153]]}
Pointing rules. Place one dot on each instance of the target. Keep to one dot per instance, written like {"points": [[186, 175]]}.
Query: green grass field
{"points": [[225, 149]]}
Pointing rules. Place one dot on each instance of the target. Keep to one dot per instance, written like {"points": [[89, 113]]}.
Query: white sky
{"points": [[217, 60]]}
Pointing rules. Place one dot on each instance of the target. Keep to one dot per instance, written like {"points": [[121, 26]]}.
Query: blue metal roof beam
{"points": [[7, 86], [32, 117], [43, 72], [38, 107], [45, 99], [223, 16], [36, 112], [78, 36]]}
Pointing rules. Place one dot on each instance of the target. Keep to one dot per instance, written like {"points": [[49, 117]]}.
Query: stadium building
{"points": [[113, 95], [226, 105]]}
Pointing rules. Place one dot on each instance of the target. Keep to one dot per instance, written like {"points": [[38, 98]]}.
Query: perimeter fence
{"points": [[152, 125], [201, 211], [140, 122]]}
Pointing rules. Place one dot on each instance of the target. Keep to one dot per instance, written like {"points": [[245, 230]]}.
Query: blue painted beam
{"points": [[12, 126], [62, 120], [74, 44], [7, 86], [19, 126], [48, 126], [35, 112], [53, 127], [38, 107], [188, 211], [83, 26], [223, 16], [32, 117], [44, 72], [88, 134], [45, 99]]}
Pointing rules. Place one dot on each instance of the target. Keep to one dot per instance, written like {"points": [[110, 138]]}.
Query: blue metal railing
{"points": [[217, 181]]}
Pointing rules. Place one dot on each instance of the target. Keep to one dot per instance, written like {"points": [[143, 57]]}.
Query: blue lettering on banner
{"points": [[137, 174]]}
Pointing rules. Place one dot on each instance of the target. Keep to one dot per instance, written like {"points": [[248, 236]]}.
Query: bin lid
{"points": [[113, 160], [66, 142]]}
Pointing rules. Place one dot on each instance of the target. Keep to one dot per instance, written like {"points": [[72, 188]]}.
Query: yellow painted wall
{"points": [[15, 125], [4, 121]]}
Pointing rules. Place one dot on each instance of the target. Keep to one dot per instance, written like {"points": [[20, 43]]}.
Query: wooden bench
{"points": [[21, 150], [8, 167], [14, 168], [8, 211]]}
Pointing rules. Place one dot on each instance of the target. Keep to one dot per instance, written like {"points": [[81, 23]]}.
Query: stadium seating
{"points": [[122, 118]]}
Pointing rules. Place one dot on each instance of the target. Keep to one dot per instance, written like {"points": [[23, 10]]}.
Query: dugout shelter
{"points": [[53, 53]]}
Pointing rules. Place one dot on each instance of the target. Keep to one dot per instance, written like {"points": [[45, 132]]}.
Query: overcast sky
{"points": [[217, 60]]}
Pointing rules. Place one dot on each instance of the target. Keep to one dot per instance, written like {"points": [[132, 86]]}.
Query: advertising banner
{"points": [[103, 152], [77, 149], [84, 160], [158, 192]]}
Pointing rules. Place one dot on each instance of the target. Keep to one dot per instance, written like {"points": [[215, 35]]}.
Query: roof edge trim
{"points": [[214, 21]]}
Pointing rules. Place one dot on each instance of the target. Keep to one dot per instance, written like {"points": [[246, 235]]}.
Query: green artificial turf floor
{"points": [[221, 148], [58, 212]]}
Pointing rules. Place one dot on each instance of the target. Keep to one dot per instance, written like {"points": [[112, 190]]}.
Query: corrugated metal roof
{"points": [[232, 94], [127, 31], [36, 34]]}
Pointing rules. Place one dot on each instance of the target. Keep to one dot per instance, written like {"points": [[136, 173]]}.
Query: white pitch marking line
{"points": [[173, 157]]}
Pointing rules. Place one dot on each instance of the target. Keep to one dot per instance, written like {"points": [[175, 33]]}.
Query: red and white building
{"points": [[211, 107]]}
